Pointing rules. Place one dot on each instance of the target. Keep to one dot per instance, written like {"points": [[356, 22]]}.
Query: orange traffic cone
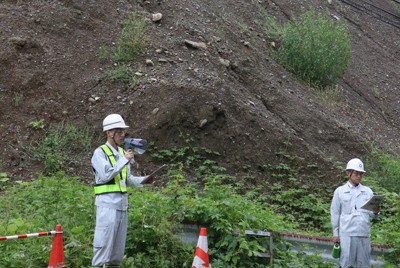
{"points": [[57, 250], [201, 255]]}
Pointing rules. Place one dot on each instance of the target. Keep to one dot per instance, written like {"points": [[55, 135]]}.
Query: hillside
{"points": [[230, 95]]}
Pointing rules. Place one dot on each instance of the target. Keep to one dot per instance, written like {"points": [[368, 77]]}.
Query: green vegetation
{"points": [[314, 47], [60, 147], [387, 171], [18, 96], [132, 39], [154, 222], [38, 124], [194, 190], [397, 7], [124, 73], [131, 43]]}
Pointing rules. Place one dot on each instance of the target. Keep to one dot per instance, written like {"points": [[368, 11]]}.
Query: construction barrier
{"points": [[57, 249], [201, 254]]}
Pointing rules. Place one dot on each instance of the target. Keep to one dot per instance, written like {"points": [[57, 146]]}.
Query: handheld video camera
{"points": [[138, 145]]}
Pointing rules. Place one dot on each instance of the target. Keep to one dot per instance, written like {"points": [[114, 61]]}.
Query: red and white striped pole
{"points": [[57, 249], [27, 235]]}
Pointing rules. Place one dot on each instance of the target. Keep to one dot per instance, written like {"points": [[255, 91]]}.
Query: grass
{"points": [[58, 148], [18, 96], [314, 47], [131, 43], [132, 39], [330, 97], [123, 72]]}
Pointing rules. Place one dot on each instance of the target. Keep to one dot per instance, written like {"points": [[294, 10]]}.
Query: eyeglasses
{"points": [[358, 173], [119, 131]]}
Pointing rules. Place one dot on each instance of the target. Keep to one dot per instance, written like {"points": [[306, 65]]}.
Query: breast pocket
{"points": [[345, 202]]}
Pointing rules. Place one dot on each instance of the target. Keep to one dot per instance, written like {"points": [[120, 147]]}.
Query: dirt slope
{"points": [[230, 96]]}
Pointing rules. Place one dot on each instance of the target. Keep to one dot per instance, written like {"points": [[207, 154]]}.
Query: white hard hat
{"points": [[355, 164], [113, 121]]}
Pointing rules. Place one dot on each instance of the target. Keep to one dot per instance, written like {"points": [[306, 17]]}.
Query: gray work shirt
{"points": [[347, 217], [104, 172]]}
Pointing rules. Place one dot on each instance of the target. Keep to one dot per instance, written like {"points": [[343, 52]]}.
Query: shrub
{"points": [[316, 49]]}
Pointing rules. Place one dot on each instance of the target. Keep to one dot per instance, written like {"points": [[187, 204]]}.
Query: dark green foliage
{"points": [[387, 171], [39, 206], [316, 48], [224, 204]]}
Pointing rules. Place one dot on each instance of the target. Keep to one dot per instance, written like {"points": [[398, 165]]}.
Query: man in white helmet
{"points": [[350, 223], [112, 174]]}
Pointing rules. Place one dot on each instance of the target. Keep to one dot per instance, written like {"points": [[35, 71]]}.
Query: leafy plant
{"points": [[4, 180], [383, 178], [305, 207], [188, 156], [39, 124], [38, 206], [224, 204], [387, 170]]}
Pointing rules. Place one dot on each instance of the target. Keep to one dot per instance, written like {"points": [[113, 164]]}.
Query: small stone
{"points": [[155, 110], [195, 44], [203, 122], [156, 17], [224, 62], [149, 62]]}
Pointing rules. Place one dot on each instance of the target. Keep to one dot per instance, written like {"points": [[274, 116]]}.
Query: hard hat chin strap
{"points": [[113, 137]]}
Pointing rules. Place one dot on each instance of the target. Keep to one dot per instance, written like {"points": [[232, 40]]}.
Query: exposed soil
{"points": [[230, 96]]}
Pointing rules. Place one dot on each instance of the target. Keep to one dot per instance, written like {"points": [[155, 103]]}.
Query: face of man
{"points": [[116, 136], [354, 176]]}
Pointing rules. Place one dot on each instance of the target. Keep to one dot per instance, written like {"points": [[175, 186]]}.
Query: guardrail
{"points": [[322, 246], [309, 244]]}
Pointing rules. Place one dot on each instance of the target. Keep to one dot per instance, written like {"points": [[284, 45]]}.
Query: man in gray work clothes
{"points": [[112, 174], [351, 223]]}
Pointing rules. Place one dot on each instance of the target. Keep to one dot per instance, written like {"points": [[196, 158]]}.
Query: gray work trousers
{"points": [[355, 250], [109, 236]]}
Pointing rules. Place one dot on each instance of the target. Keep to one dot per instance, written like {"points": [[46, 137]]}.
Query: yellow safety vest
{"points": [[113, 185]]}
